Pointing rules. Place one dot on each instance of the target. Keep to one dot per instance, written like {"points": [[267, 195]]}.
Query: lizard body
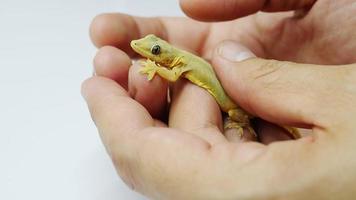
{"points": [[172, 63]]}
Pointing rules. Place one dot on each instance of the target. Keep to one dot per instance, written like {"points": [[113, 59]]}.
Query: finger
{"points": [[195, 111], [151, 94], [217, 10], [112, 63], [117, 116], [138, 150], [119, 29], [280, 92], [269, 132]]}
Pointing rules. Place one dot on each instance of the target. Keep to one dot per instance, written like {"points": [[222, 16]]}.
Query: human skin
{"points": [[190, 158]]}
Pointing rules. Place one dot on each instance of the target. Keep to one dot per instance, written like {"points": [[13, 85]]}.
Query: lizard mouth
{"points": [[134, 45]]}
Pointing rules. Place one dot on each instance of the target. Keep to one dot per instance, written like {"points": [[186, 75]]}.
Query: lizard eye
{"points": [[156, 49]]}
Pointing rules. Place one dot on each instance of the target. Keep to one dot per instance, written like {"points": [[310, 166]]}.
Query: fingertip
{"points": [[219, 10], [96, 87], [138, 82], [151, 94], [233, 51], [112, 29], [85, 88], [191, 9], [93, 90], [112, 63], [202, 11], [228, 64], [226, 55], [99, 28]]}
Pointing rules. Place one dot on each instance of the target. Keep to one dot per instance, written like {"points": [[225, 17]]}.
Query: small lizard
{"points": [[172, 63]]}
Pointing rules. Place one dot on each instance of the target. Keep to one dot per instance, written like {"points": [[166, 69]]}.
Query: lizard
{"points": [[172, 63]]}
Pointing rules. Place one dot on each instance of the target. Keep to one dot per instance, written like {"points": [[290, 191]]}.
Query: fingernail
{"points": [[234, 51]]}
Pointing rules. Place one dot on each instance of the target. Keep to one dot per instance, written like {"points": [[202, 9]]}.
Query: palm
{"points": [[321, 36]]}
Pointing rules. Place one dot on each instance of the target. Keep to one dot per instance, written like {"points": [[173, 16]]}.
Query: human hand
{"points": [[323, 36], [277, 36], [192, 159], [174, 162]]}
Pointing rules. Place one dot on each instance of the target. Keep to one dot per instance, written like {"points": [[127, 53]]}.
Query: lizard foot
{"points": [[292, 131], [150, 68], [230, 124]]}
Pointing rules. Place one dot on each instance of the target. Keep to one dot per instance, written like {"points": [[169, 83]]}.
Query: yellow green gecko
{"points": [[172, 63]]}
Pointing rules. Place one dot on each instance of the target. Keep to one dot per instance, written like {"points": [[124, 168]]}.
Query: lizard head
{"points": [[154, 48]]}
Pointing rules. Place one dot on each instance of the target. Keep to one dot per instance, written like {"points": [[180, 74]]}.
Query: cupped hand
{"points": [[188, 157], [191, 159]]}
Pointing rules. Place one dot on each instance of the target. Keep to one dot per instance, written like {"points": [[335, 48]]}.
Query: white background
{"points": [[49, 148]]}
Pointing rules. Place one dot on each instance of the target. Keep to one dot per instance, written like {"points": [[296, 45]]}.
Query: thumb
{"points": [[281, 92]]}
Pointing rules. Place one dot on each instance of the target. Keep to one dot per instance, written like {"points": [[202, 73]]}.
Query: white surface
{"points": [[49, 148]]}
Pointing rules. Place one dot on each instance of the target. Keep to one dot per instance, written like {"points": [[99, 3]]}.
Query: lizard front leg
{"points": [[151, 68]]}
